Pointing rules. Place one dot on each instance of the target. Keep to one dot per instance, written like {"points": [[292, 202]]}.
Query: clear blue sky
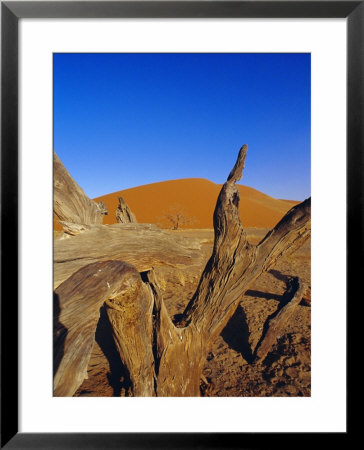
{"points": [[123, 120]]}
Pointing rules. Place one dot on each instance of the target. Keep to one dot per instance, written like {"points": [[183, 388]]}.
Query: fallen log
{"points": [[292, 298], [142, 245]]}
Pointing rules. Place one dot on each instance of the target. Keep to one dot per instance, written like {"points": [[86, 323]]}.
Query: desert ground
{"points": [[88, 362], [229, 370]]}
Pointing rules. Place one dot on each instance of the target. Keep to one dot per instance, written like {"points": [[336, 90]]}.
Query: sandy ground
{"points": [[229, 371]]}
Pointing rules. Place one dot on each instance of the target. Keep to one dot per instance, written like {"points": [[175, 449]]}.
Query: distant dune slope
{"points": [[197, 198]]}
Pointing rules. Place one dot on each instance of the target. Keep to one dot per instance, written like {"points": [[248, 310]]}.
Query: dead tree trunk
{"points": [[70, 203], [232, 268], [173, 355], [76, 309], [124, 213]]}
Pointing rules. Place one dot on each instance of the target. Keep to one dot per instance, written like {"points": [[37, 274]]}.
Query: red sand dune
{"points": [[197, 198]]}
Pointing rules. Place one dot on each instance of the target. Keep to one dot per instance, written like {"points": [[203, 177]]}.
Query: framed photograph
{"points": [[123, 125]]}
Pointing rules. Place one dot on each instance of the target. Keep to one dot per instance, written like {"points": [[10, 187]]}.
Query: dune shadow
{"points": [[59, 334], [118, 377], [236, 334]]}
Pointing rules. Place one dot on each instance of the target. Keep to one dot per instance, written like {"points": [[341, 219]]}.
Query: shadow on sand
{"points": [[118, 376], [236, 334], [59, 334]]}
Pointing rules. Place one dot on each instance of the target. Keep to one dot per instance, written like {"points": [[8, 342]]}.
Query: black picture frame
{"points": [[11, 12]]}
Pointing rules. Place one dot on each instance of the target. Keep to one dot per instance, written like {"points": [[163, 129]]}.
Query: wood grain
{"points": [[70, 203]]}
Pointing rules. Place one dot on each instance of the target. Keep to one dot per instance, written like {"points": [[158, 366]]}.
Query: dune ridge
{"points": [[196, 199]]}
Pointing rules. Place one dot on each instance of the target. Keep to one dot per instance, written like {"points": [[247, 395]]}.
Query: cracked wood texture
{"points": [[142, 245], [293, 296], [124, 213], [77, 310], [232, 268], [162, 357], [70, 203]]}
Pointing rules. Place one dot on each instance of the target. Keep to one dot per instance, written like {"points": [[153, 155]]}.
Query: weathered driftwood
{"points": [[72, 229], [232, 268], [292, 298], [145, 246], [130, 315], [306, 299], [124, 213], [102, 208], [179, 349], [70, 203], [76, 310]]}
